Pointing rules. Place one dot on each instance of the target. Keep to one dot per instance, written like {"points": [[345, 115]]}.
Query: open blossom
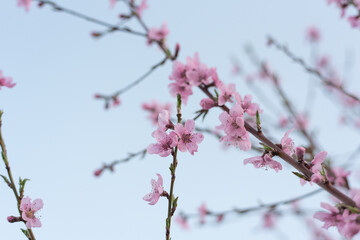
{"points": [[226, 93], [264, 161], [344, 220], [154, 108], [6, 81], [197, 72], [165, 144], [157, 34], [233, 125], [181, 85], [143, 5], [202, 213], [339, 177], [317, 233], [28, 209], [287, 144], [156, 190], [188, 140], [24, 3], [248, 107], [315, 167], [164, 121]]}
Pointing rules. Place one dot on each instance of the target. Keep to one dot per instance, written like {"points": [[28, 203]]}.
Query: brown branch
{"points": [[8, 170], [327, 186], [309, 69]]}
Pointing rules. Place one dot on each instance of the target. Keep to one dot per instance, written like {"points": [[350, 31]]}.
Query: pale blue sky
{"points": [[57, 134]]}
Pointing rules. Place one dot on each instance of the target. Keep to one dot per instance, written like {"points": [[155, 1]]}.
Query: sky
{"points": [[57, 134]]}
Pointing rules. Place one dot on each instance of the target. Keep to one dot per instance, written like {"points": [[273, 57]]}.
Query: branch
{"points": [[309, 69], [112, 27], [8, 170]]}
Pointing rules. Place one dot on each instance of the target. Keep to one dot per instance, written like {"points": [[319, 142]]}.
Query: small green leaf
{"points": [[258, 123], [205, 113], [300, 175], [6, 180], [26, 233], [266, 147], [179, 101]]}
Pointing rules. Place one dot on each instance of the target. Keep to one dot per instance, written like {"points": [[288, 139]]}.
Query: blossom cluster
{"points": [[346, 221], [354, 20], [181, 136], [197, 74]]}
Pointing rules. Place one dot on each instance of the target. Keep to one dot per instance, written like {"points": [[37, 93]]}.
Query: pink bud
{"points": [[98, 95], [98, 172], [207, 103], [11, 219], [95, 34]]}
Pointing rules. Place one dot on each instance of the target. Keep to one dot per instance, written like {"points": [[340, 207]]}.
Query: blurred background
{"points": [[57, 134]]}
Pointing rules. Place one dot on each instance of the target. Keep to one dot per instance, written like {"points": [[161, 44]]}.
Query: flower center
{"points": [[30, 214], [186, 138]]}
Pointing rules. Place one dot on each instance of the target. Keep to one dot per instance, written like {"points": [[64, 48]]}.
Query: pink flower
{"points": [[226, 93], [264, 161], [24, 3], [248, 107], [6, 81], [317, 233], [354, 21], [181, 88], [157, 34], [340, 176], [207, 103], [154, 108], [202, 213], [165, 144], [139, 10], [316, 166], [232, 123], [182, 221], [188, 140], [287, 144], [344, 220], [329, 219], [29, 209], [156, 191], [313, 34], [240, 140], [164, 121], [269, 219], [197, 72]]}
